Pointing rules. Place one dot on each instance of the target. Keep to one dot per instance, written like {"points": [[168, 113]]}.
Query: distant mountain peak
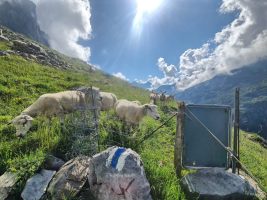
{"points": [[20, 16]]}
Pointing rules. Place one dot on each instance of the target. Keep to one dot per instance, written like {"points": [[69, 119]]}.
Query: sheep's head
{"points": [[22, 123], [151, 110]]}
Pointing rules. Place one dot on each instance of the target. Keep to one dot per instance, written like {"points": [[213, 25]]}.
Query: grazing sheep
{"points": [[154, 98], [108, 100], [133, 113], [162, 97], [55, 104]]}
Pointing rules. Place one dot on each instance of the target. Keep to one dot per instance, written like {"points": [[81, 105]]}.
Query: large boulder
{"points": [[216, 184], [36, 186], [7, 184], [118, 175], [70, 179]]}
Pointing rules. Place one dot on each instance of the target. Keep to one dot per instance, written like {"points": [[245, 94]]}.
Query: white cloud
{"points": [[168, 70], [120, 75], [241, 43], [65, 22]]}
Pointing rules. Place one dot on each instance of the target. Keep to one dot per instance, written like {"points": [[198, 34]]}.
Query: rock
{"points": [[3, 53], [70, 179], [216, 184], [41, 57], [36, 186], [7, 183], [53, 163], [3, 38], [35, 47], [118, 175], [10, 52], [19, 43]]}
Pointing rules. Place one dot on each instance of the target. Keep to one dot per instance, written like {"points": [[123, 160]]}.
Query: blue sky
{"points": [[181, 42], [175, 26]]}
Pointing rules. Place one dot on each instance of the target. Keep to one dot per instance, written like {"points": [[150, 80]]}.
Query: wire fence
{"points": [[84, 126]]}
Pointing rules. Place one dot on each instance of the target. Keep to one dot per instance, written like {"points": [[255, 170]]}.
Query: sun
{"points": [[144, 10], [147, 6]]}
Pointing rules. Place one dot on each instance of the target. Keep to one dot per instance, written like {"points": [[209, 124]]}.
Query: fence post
{"points": [[236, 131], [95, 112], [178, 146]]}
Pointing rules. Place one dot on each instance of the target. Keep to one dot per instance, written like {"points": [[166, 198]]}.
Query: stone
{"points": [[40, 57], [7, 184], [3, 38], [35, 47], [3, 53], [36, 186], [19, 43], [118, 175], [53, 163], [216, 184], [10, 52], [69, 180]]}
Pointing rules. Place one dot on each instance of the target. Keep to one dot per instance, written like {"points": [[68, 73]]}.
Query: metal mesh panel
{"points": [[85, 133]]}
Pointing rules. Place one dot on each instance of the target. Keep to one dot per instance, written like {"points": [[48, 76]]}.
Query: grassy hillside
{"points": [[21, 82], [254, 155]]}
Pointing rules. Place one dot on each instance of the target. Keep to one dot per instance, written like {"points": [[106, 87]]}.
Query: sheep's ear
{"points": [[147, 107]]}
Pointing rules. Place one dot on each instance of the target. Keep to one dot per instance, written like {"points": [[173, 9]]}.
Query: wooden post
{"points": [[178, 146], [236, 130]]}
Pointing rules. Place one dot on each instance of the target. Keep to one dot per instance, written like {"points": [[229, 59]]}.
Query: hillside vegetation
{"points": [[23, 81]]}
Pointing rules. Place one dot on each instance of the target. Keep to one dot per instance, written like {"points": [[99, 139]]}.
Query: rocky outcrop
{"points": [[216, 184], [20, 16], [36, 186], [114, 174], [31, 50], [7, 184], [70, 179]]}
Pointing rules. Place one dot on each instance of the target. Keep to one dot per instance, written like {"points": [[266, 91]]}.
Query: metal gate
{"points": [[199, 148]]}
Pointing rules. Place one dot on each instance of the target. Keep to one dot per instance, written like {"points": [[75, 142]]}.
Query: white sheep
{"points": [[132, 113], [154, 98], [56, 104], [108, 100]]}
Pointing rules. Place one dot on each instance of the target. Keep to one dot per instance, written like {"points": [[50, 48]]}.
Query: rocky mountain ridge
{"points": [[20, 16], [31, 50]]}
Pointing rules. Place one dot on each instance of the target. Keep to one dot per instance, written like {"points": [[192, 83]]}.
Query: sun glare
{"points": [[147, 6], [144, 8]]}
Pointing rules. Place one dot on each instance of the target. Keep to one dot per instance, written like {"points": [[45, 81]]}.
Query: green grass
{"points": [[22, 82], [254, 156], [4, 45]]}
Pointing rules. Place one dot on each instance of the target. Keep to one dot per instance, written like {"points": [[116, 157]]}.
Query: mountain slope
{"points": [[20, 16], [252, 82], [23, 80]]}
